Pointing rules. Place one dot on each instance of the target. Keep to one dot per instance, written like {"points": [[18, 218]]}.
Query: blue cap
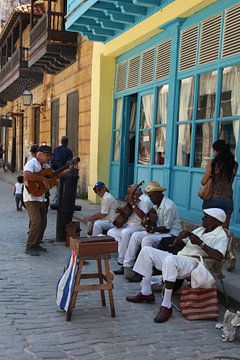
{"points": [[98, 185]]}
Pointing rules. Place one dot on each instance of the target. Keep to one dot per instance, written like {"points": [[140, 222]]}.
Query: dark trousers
{"points": [[19, 201], [38, 221]]}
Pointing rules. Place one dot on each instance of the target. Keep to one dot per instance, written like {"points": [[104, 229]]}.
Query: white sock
{"points": [[146, 286], [167, 299]]}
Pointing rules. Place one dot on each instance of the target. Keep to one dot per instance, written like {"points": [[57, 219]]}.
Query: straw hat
{"points": [[154, 186]]}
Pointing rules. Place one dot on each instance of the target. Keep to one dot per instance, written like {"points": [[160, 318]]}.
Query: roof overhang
{"points": [[103, 20]]}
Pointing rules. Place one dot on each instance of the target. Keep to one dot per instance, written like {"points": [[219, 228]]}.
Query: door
{"points": [[129, 122], [123, 145], [72, 121], [55, 124], [144, 143]]}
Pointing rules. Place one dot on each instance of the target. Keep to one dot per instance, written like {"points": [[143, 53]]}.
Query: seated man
{"points": [[141, 205], [168, 224], [210, 240], [102, 221]]}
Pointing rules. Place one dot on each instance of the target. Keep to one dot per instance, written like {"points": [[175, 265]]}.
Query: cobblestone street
{"points": [[32, 326]]}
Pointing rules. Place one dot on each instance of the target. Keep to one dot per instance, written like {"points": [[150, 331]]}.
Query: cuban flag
{"points": [[66, 283]]}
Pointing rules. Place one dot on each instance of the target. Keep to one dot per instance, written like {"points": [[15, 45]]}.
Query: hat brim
{"points": [[155, 190], [218, 217]]}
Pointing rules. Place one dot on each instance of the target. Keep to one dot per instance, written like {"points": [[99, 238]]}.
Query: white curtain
{"points": [[147, 106], [186, 99], [162, 105], [185, 113], [118, 114], [208, 83], [207, 130]]}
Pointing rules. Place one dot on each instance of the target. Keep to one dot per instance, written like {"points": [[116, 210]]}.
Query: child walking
{"points": [[18, 192]]}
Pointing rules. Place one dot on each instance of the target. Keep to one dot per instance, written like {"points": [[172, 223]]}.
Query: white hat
{"points": [[216, 213]]}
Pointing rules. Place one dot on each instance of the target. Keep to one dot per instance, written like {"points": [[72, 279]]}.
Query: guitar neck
{"points": [[58, 172]]}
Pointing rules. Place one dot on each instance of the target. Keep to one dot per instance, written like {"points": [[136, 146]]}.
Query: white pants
{"points": [[100, 225], [172, 266], [138, 239], [122, 236]]}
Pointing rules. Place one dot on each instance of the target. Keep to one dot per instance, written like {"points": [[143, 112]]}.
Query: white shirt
{"points": [[33, 166], [108, 206], [18, 188], [167, 215], [216, 239], [145, 205]]}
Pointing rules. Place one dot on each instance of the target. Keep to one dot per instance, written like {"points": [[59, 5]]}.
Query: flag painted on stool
{"points": [[66, 282]]}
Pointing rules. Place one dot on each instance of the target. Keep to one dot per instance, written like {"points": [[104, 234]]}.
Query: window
{"points": [[186, 99], [207, 95], [184, 145], [160, 128], [144, 151], [185, 114], [203, 144], [230, 104], [118, 116], [229, 131]]}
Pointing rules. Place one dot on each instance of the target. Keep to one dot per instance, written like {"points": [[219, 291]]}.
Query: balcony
{"points": [[52, 48], [16, 76]]}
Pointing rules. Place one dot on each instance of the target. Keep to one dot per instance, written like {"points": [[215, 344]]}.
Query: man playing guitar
{"points": [[36, 204]]}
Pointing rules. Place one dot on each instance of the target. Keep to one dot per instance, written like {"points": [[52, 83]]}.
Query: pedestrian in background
{"points": [[18, 193], [61, 155], [222, 170]]}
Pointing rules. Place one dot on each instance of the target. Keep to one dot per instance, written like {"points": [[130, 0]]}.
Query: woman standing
{"points": [[222, 169]]}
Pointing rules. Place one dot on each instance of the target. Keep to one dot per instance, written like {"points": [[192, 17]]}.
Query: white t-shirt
{"points": [[216, 239], [108, 206], [33, 166], [168, 216], [145, 205], [18, 188]]}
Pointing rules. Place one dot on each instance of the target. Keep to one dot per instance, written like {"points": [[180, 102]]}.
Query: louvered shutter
{"points": [[147, 66], [231, 37], [188, 48], [210, 39], [163, 59], [121, 77], [133, 72]]}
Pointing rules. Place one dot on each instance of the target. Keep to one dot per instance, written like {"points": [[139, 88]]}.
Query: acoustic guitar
{"points": [[37, 188], [127, 210]]}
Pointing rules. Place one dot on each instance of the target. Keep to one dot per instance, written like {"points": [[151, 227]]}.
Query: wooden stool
{"points": [[72, 230], [99, 249]]}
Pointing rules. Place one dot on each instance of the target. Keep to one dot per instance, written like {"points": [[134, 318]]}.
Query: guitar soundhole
{"points": [[37, 185]]}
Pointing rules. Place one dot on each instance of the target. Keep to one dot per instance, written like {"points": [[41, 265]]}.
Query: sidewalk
{"points": [[231, 281]]}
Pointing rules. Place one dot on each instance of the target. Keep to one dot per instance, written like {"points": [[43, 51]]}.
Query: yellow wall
{"points": [[103, 69]]}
